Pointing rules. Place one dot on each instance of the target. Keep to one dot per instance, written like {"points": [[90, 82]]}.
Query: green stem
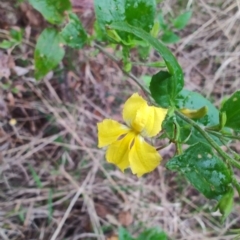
{"points": [[237, 185], [235, 154], [151, 64], [209, 139], [231, 136], [177, 136]]}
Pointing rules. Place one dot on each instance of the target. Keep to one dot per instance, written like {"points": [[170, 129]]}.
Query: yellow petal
{"points": [[153, 123], [143, 157], [144, 119], [118, 152], [131, 107], [109, 131]]}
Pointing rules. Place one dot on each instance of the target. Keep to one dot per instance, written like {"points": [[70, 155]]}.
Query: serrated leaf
{"points": [[232, 110], [73, 33], [161, 89], [48, 52], [182, 20], [152, 234], [170, 37], [52, 10], [173, 67], [205, 171], [139, 13]]}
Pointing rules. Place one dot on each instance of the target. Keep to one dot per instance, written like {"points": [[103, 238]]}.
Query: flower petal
{"points": [[131, 107], [143, 157], [153, 123], [109, 131], [118, 152], [144, 119]]}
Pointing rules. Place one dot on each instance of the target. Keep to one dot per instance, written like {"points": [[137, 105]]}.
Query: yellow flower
{"points": [[126, 146]]}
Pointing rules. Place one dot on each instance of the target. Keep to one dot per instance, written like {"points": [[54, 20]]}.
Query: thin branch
{"points": [[116, 60], [209, 139]]}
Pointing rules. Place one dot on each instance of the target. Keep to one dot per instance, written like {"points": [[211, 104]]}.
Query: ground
{"points": [[55, 182]]}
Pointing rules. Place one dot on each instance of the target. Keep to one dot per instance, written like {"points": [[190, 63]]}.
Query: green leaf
{"points": [[162, 22], [7, 44], [182, 20], [152, 234], [193, 100], [52, 10], [207, 173], [146, 79], [139, 13], [123, 234], [188, 134], [232, 109], [16, 35], [173, 67], [170, 37], [73, 33], [48, 52], [161, 89], [225, 204], [185, 130]]}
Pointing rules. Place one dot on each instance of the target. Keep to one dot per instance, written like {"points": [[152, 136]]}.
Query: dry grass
{"points": [[55, 183]]}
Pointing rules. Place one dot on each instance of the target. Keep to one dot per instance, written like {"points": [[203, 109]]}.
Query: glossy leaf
{"points": [[182, 20], [161, 89], [52, 10], [205, 171], [139, 13], [232, 109], [193, 100], [173, 67], [188, 134], [48, 52], [73, 33], [170, 37]]}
